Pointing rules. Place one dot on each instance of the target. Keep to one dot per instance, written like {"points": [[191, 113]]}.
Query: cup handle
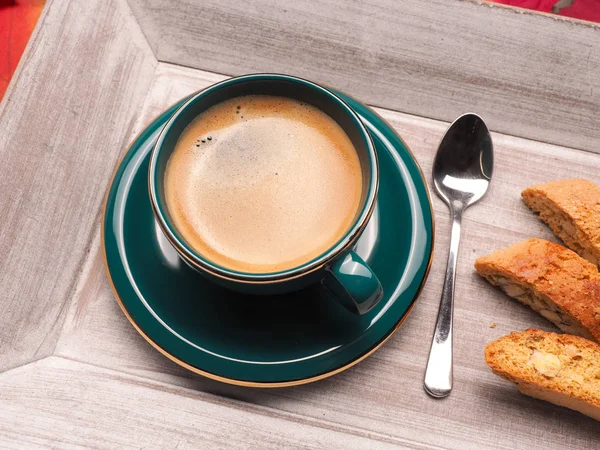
{"points": [[353, 284]]}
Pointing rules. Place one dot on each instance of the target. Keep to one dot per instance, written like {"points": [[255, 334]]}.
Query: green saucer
{"points": [[266, 341]]}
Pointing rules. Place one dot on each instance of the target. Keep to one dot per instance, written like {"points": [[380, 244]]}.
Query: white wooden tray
{"points": [[73, 371]]}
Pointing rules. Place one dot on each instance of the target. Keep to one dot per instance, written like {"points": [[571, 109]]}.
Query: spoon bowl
{"points": [[464, 162]]}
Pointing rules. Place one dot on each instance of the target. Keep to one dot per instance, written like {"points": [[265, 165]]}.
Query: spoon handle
{"points": [[438, 375]]}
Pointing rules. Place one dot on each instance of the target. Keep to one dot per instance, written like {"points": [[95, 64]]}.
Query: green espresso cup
{"points": [[339, 269]]}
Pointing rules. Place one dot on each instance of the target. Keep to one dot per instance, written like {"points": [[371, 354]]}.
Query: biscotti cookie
{"points": [[551, 279], [558, 368], [572, 209]]}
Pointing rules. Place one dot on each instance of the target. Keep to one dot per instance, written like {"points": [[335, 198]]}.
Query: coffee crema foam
{"points": [[262, 184]]}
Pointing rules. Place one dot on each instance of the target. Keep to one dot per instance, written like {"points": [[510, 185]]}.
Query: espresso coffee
{"points": [[262, 184]]}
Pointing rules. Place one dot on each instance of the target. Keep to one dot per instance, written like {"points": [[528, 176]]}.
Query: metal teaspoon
{"points": [[462, 171]]}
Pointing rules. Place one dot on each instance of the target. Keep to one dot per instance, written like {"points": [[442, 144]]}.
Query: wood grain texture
{"points": [[382, 398], [78, 405], [528, 75], [63, 122]]}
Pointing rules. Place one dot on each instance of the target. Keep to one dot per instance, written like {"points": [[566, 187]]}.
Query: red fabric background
{"points": [[581, 9], [17, 20], [538, 5]]}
